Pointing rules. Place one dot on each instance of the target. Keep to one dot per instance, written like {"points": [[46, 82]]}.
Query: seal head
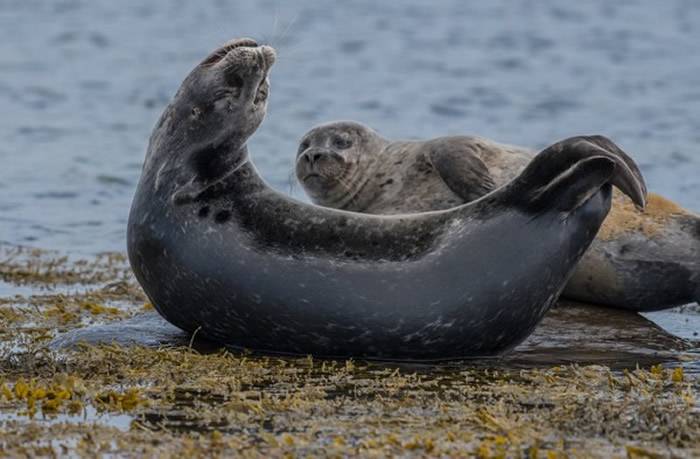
{"points": [[333, 165], [220, 104]]}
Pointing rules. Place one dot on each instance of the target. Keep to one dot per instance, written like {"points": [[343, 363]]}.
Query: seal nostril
{"points": [[317, 156]]}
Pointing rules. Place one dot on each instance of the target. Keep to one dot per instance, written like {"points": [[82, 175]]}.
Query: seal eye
{"points": [[303, 147], [234, 80], [341, 143]]}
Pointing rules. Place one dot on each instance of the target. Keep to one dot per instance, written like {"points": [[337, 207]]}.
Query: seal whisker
{"points": [[280, 42], [275, 22], [280, 39], [350, 196], [291, 182]]}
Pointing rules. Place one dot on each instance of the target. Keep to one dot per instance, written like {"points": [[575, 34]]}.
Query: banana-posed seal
{"points": [[641, 260], [219, 252]]}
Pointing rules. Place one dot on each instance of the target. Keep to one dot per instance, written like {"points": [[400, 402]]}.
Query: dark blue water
{"points": [[82, 83]]}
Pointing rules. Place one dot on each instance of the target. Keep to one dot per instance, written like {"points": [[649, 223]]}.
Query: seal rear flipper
{"points": [[574, 186], [569, 172], [608, 145]]}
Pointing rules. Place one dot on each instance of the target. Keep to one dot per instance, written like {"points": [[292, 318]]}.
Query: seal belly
{"points": [[287, 303]]}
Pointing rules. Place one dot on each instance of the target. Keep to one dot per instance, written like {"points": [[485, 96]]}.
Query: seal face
{"points": [[219, 251], [333, 167], [640, 261]]}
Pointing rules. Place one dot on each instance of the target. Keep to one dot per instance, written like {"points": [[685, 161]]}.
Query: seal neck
{"points": [[213, 161], [361, 196], [187, 176]]}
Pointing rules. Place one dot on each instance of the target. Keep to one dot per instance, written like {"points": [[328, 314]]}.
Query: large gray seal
{"points": [[220, 252], [641, 260]]}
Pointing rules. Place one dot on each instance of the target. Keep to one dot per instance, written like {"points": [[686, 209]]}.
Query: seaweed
{"points": [[177, 400]]}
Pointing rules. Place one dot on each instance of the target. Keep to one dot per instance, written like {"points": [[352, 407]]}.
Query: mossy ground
{"points": [[178, 401]]}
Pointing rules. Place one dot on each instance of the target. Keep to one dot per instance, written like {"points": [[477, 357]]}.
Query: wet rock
{"points": [[147, 329], [587, 334]]}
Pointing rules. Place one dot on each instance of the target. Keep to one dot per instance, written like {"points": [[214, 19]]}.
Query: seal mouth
{"points": [[265, 55], [268, 56], [316, 182], [312, 176]]}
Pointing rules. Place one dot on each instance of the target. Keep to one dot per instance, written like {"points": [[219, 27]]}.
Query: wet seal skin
{"points": [[219, 252], [640, 261]]}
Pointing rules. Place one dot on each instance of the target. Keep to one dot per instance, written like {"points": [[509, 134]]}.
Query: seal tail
{"points": [[566, 174]]}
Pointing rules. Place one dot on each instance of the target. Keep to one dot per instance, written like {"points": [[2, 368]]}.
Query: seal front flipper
{"points": [[460, 167], [572, 171]]}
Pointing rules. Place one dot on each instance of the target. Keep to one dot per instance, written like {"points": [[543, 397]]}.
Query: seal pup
{"points": [[642, 261], [220, 252]]}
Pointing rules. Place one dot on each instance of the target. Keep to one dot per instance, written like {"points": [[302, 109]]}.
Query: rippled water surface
{"points": [[82, 83]]}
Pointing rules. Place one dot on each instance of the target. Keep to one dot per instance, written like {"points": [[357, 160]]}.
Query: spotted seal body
{"points": [[642, 260], [219, 252]]}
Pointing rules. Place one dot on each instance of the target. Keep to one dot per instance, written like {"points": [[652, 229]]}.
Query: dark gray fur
{"points": [[219, 251]]}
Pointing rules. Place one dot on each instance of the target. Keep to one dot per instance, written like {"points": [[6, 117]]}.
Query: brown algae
{"points": [[624, 217]]}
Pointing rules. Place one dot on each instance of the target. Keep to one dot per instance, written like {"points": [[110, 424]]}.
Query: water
{"points": [[680, 322], [83, 82]]}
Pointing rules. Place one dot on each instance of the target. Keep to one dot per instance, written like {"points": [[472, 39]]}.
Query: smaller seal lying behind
{"points": [[640, 261], [219, 251]]}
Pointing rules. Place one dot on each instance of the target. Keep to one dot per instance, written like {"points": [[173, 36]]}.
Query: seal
{"points": [[641, 260], [219, 252]]}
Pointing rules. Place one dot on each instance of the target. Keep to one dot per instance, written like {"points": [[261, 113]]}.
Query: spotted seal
{"points": [[220, 252], [640, 261]]}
